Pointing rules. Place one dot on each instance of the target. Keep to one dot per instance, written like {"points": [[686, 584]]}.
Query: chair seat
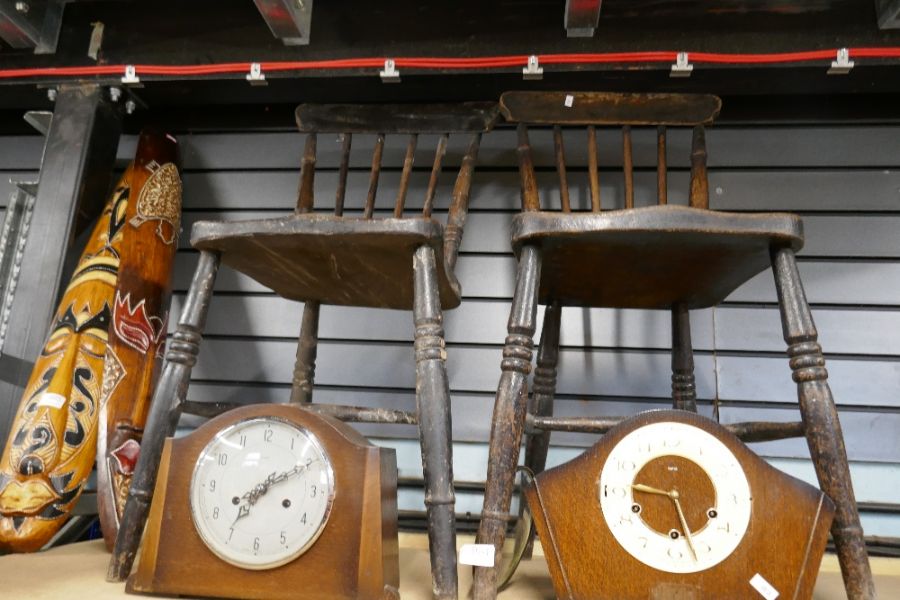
{"points": [[335, 260], [652, 257]]}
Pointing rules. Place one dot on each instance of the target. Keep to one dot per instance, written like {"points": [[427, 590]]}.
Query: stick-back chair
{"points": [[669, 257], [401, 262]]}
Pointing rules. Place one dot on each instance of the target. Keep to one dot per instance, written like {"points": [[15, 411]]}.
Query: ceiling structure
{"points": [[113, 34]]}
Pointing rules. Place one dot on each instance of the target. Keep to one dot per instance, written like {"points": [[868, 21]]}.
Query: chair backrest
{"points": [[593, 109], [411, 120]]}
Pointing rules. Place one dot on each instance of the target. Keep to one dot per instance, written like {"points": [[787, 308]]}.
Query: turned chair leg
{"points": [[684, 387], [823, 429], [165, 410], [543, 390], [305, 364], [509, 417], [433, 405]]}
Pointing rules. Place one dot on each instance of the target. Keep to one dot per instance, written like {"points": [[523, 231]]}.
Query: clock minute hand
{"points": [[687, 532]]}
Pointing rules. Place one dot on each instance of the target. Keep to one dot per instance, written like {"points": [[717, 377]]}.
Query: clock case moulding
{"points": [[356, 555], [784, 541]]}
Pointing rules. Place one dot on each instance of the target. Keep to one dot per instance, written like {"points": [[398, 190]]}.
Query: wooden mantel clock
{"points": [[272, 501], [669, 504]]}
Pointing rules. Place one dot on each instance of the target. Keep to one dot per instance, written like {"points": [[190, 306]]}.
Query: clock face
{"points": [[675, 497], [261, 492]]}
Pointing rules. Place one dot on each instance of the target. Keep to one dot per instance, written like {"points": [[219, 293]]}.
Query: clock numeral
{"points": [[312, 491], [309, 461], [216, 513], [212, 485], [230, 533], [625, 520], [625, 465], [675, 553], [702, 547], [283, 537], [671, 442], [267, 435], [643, 542], [724, 526], [223, 458], [243, 441], [255, 544], [292, 443]]}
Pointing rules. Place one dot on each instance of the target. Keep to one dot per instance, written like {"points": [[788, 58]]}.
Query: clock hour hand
{"points": [[243, 511], [640, 487]]}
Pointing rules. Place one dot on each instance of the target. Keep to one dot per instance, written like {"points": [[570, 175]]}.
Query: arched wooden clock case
{"points": [[779, 543], [354, 555]]}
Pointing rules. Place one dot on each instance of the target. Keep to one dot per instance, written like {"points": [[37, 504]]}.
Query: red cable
{"points": [[439, 63]]}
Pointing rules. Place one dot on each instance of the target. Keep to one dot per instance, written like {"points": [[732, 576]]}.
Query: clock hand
{"points": [[260, 489], [243, 511], [687, 532], [650, 490]]}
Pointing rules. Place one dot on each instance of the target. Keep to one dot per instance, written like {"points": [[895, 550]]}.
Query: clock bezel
{"points": [[739, 485], [329, 471]]}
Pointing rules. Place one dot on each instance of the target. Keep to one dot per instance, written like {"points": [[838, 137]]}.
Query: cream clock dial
{"points": [[675, 497], [261, 492]]}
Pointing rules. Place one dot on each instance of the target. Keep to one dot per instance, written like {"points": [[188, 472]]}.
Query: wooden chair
{"points": [[402, 262], [666, 257]]}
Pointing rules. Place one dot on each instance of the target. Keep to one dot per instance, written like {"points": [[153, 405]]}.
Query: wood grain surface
{"points": [[50, 452], [784, 541], [139, 323], [356, 556]]}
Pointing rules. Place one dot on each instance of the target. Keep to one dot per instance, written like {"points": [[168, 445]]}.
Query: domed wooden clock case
{"points": [[272, 501]]}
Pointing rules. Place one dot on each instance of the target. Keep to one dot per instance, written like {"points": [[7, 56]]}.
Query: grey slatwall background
{"points": [[845, 181]]}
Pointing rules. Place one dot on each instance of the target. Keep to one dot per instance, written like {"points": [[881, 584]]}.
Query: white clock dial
{"points": [[675, 497], [261, 492]]}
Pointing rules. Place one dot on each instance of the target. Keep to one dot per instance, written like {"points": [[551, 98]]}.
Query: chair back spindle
{"points": [[307, 176], [346, 140], [593, 174], [530, 199], [661, 168], [373, 176], [459, 204], [408, 161], [561, 169], [435, 173], [699, 181], [627, 166]]}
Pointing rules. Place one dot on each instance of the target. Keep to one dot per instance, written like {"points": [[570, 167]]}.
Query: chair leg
{"points": [[305, 364], [544, 388], [684, 387], [823, 429], [165, 410], [509, 417], [433, 404]]}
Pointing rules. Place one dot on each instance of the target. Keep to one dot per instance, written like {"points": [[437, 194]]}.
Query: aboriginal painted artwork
{"points": [[52, 444], [139, 314]]}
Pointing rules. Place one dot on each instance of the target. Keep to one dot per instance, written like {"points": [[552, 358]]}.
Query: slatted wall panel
{"points": [[844, 181]]}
